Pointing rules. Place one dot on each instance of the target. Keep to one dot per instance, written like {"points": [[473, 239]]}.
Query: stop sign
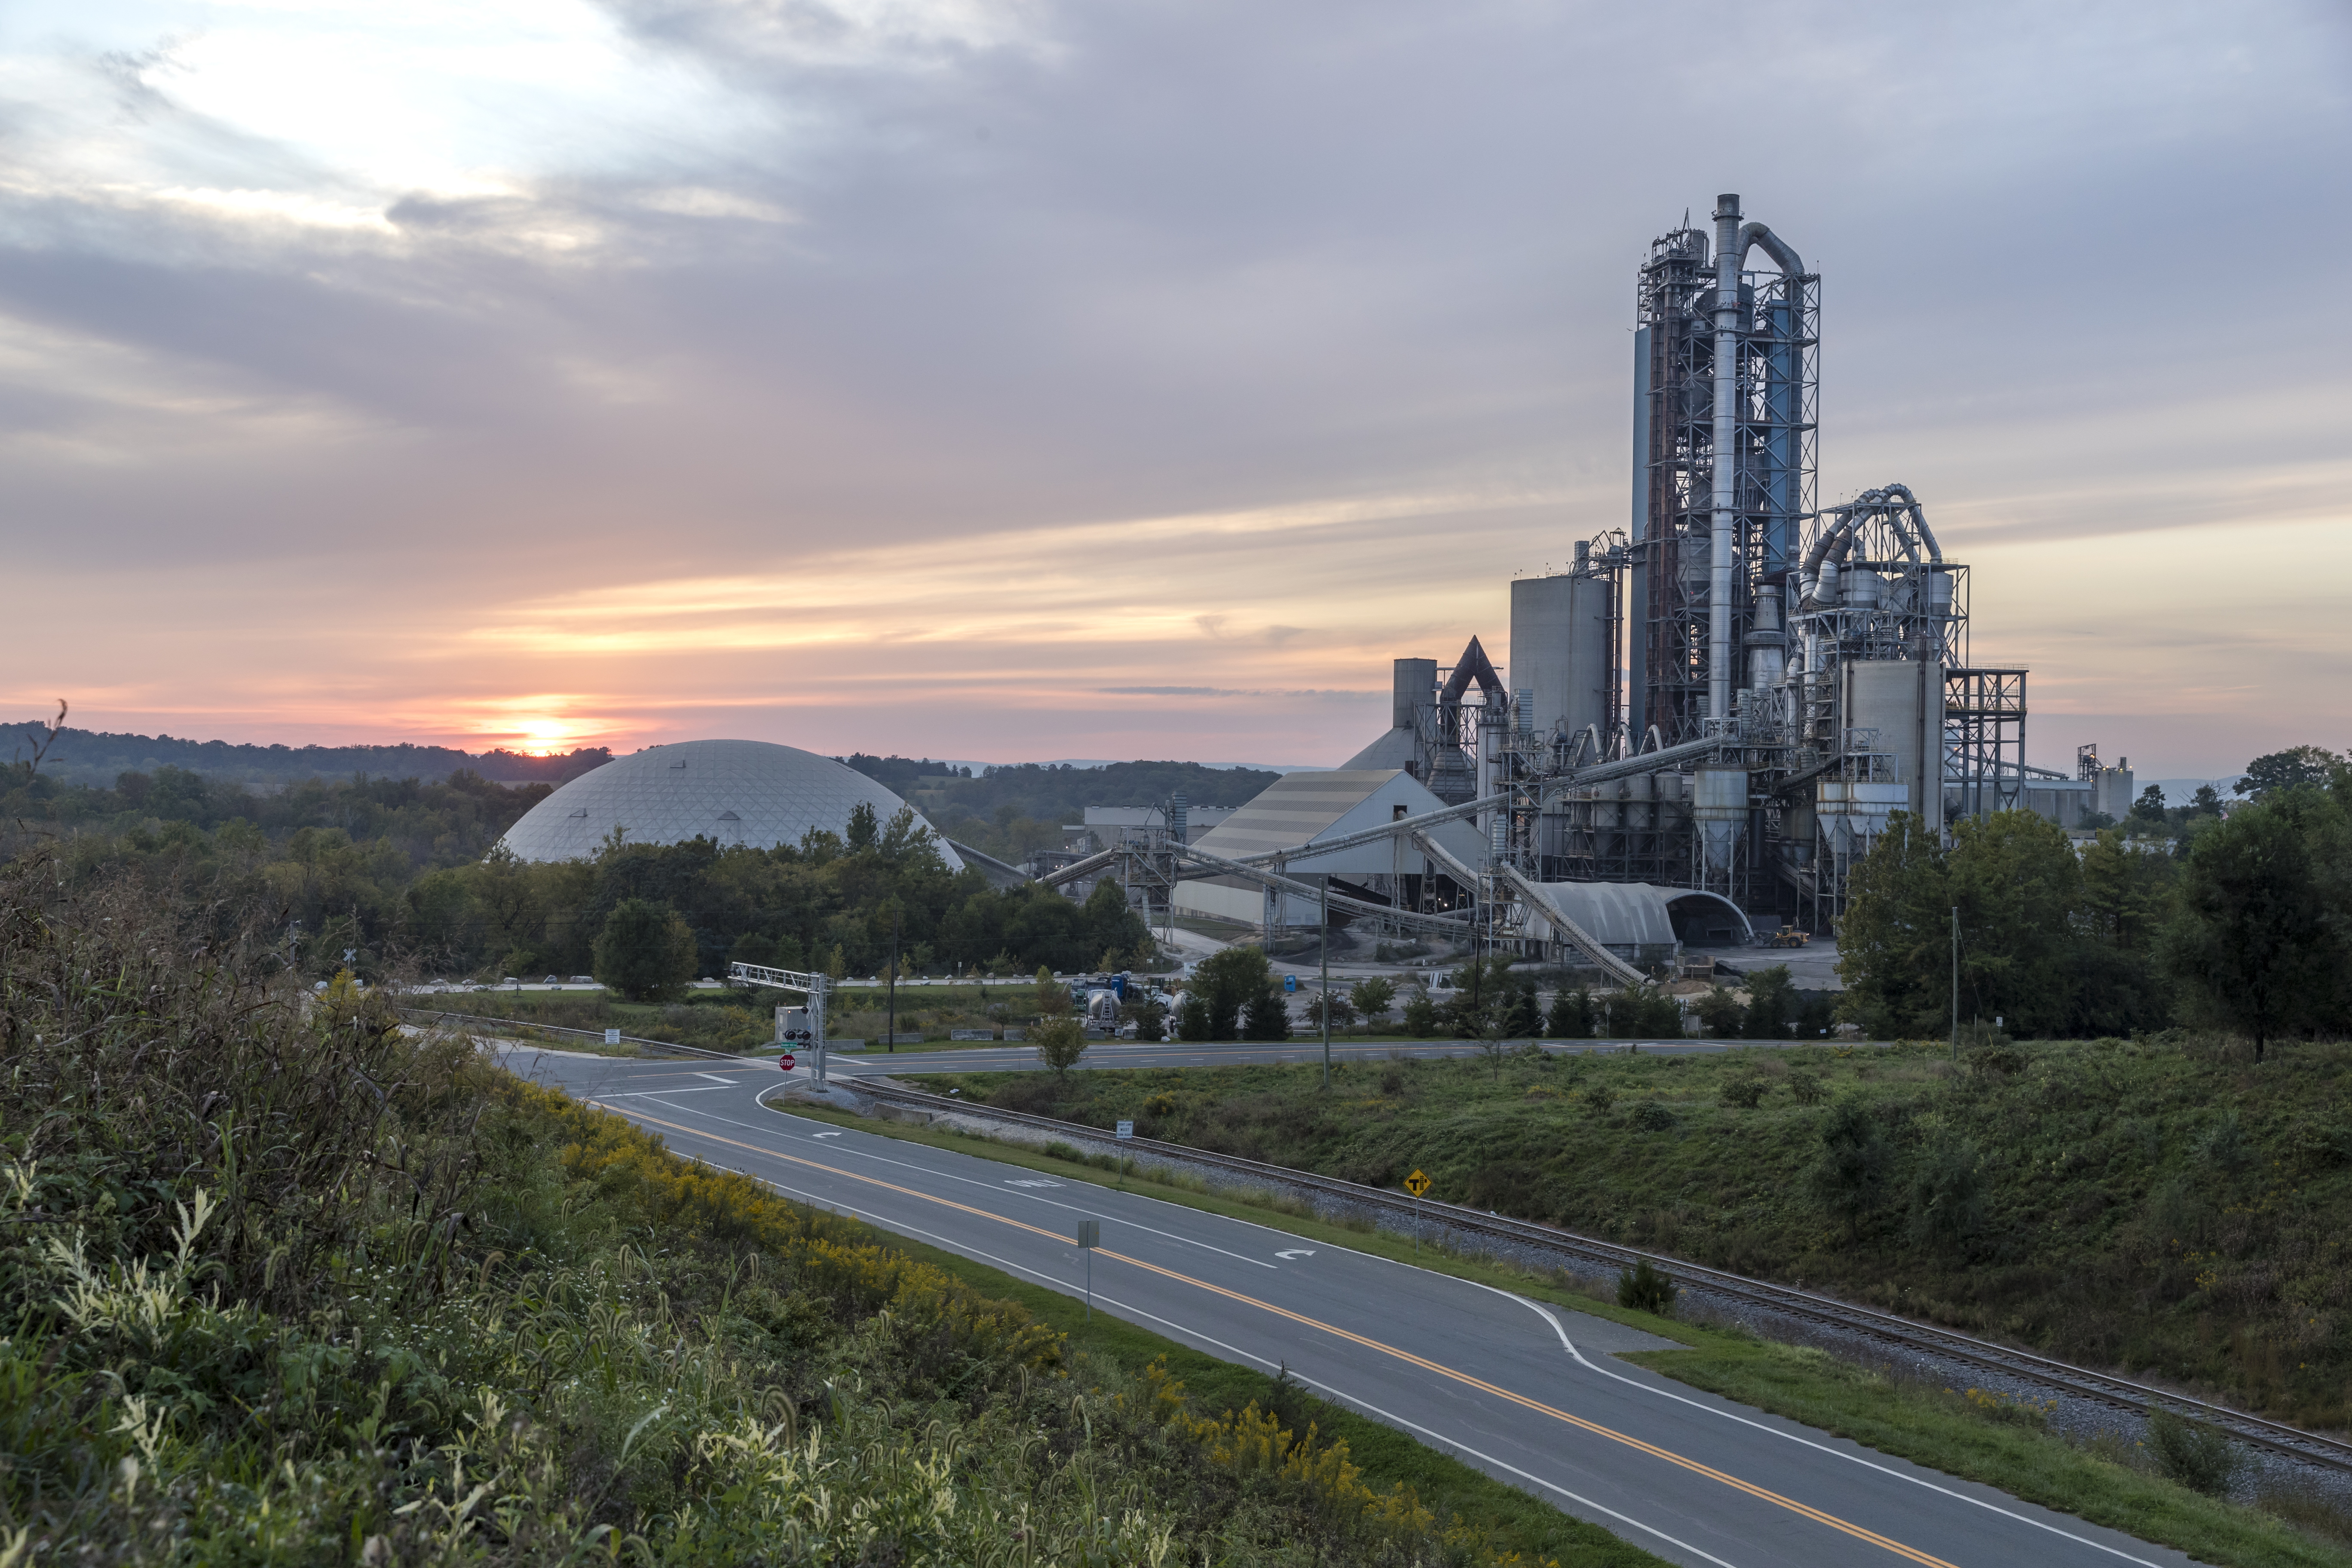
{"points": [[785, 1061]]}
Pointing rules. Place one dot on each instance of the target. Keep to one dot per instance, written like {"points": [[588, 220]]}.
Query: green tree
{"points": [[2149, 807], [1060, 1043], [1231, 982], [1266, 1016], [1772, 1004], [1052, 996], [1373, 998], [1193, 1020], [2128, 900], [644, 951], [2018, 884], [1342, 1010], [2297, 767], [1894, 941], [2261, 938], [1720, 1013], [1421, 1017], [1571, 1015]]}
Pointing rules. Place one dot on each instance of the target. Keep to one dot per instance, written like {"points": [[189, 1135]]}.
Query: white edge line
{"points": [[1545, 1313], [999, 1186], [1238, 1352]]}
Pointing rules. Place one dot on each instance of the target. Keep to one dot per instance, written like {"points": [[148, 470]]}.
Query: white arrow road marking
{"points": [[716, 1078], [1039, 1183], [1295, 1252], [826, 1135]]}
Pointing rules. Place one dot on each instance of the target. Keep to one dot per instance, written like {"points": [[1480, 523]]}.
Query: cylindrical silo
{"points": [[1416, 688], [1640, 791], [1720, 812], [1560, 651]]}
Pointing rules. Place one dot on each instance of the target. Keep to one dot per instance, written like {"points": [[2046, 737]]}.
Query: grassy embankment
{"points": [[287, 1285], [2167, 1208], [1959, 1431]]}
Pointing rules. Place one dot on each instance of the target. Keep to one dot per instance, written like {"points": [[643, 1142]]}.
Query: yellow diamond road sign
{"points": [[1416, 1184]]}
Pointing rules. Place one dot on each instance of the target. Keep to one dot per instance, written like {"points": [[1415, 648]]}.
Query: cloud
{"points": [[857, 372]]}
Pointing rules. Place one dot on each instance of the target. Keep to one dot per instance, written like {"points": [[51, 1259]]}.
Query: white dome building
{"points": [[732, 792]]}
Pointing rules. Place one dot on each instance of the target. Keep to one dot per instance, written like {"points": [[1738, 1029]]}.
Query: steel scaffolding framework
{"points": [[1984, 742]]}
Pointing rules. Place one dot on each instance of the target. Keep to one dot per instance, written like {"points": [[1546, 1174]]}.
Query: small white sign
{"points": [[612, 1036], [1127, 1129]]}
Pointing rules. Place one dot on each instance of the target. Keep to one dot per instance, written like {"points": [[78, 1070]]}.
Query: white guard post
{"points": [[815, 987]]}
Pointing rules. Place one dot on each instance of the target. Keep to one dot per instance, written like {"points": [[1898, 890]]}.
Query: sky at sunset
{"points": [[1120, 380]]}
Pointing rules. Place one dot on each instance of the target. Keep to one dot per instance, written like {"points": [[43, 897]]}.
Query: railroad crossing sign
{"points": [[785, 1061], [1416, 1184]]}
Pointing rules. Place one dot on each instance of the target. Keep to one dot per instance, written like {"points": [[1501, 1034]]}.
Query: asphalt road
{"points": [[1529, 1392]]}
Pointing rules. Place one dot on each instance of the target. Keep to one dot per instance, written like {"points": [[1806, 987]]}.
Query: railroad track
{"points": [[1886, 1328]]}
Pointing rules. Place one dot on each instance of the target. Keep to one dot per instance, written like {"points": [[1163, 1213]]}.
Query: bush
{"points": [[1744, 1091], [1647, 1288], [1421, 1018], [1806, 1088], [1850, 1173], [1651, 1116], [1948, 1194], [2198, 1455]]}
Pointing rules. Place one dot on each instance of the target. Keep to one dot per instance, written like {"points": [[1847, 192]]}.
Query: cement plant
{"points": [[1704, 722]]}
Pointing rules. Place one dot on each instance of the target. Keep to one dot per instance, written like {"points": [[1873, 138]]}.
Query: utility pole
{"points": [[1324, 947], [892, 1047], [1955, 983]]}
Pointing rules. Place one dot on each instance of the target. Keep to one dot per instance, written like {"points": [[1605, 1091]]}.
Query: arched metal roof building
{"points": [[732, 792]]}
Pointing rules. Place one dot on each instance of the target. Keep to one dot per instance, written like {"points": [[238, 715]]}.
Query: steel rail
{"points": [[2106, 1388]]}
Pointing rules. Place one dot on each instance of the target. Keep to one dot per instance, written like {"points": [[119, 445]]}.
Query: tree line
{"points": [[399, 869], [2242, 922]]}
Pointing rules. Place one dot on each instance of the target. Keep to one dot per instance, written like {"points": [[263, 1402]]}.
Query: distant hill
{"points": [[95, 757]]}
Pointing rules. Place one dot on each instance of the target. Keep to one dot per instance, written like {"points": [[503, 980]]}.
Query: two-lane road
{"points": [[1529, 1391]]}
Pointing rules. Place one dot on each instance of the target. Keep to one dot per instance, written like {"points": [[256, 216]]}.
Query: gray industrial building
{"points": [[1796, 672], [1709, 717]]}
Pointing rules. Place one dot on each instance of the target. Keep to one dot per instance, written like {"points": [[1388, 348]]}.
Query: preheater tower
{"points": [[1726, 397]]}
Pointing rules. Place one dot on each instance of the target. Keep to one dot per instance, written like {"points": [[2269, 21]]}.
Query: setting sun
{"points": [[541, 736]]}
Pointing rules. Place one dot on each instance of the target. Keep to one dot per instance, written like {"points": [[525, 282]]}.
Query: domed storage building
{"points": [[731, 792]]}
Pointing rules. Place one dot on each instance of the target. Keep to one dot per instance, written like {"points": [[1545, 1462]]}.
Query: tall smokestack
{"points": [[1719, 672]]}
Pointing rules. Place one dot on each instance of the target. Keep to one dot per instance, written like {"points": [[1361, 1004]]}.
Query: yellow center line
{"points": [[1764, 1494]]}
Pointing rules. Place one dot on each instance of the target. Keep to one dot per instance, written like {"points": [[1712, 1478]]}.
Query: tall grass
{"points": [[282, 1281]]}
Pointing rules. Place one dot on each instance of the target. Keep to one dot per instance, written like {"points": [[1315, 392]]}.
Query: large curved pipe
{"points": [[1783, 256], [1919, 515]]}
